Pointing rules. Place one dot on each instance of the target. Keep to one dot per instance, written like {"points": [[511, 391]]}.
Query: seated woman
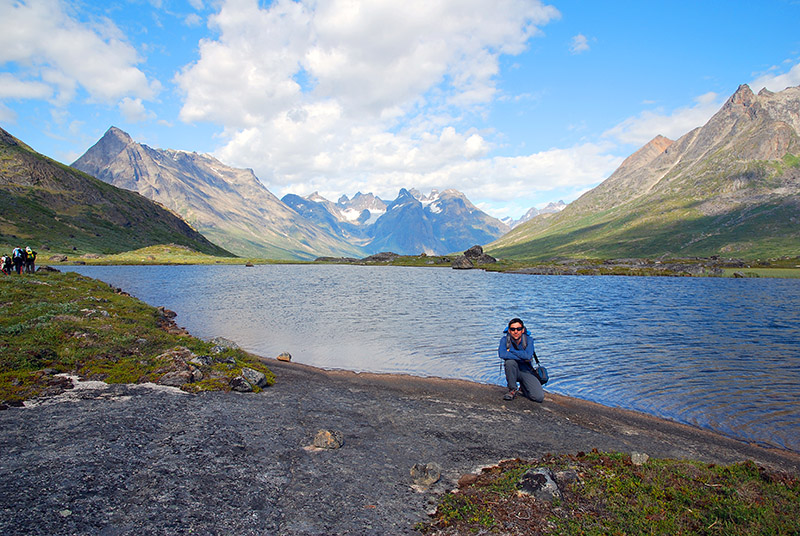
{"points": [[516, 349]]}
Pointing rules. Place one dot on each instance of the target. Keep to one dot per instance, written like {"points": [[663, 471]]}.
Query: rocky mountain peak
{"points": [[743, 96]]}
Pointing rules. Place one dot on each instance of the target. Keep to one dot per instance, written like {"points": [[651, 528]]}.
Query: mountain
{"points": [[443, 222], [411, 224], [48, 205], [347, 218], [551, 208], [730, 188], [228, 205]]}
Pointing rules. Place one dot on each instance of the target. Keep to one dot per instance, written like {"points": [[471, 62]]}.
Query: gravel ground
{"points": [[141, 460]]}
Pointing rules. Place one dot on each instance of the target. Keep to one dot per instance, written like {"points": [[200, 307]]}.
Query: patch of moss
{"points": [[67, 323], [611, 495]]}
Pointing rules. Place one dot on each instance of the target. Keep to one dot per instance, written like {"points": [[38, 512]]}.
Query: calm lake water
{"points": [[721, 354]]}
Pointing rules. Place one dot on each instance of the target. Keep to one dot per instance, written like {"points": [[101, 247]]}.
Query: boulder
{"points": [[254, 377], [176, 378], [166, 313], [462, 263], [241, 385], [58, 258], [540, 484], [202, 360], [477, 256], [46, 270], [284, 356]]}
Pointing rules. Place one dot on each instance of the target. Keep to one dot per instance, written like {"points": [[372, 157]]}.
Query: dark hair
{"points": [[516, 321]]}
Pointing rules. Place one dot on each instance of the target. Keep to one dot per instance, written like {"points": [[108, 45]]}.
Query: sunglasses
{"points": [[515, 329]]}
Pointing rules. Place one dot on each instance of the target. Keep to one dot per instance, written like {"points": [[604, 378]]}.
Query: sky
{"points": [[516, 103]]}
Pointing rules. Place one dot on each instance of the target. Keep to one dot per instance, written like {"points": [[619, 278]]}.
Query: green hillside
{"points": [[730, 188]]}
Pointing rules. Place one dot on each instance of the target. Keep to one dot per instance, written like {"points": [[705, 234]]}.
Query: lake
{"points": [[721, 354]]}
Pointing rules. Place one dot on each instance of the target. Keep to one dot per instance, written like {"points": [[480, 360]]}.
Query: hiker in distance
{"points": [[516, 350]]}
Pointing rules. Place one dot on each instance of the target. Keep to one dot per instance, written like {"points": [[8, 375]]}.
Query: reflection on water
{"points": [[723, 354]]}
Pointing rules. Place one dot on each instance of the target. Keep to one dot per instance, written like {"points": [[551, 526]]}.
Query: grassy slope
{"points": [[670, 222], [72, 324]]}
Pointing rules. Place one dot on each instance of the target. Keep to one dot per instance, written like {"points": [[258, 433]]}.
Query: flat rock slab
{"points": [[130, 460]]}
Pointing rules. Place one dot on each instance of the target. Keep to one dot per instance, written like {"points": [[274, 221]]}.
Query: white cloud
{"points": [[16, 88], [650, 123], [134, 110], [7, 115], [580, 43], [193, 20], [344, 96], [51, 48], [777, 82]]}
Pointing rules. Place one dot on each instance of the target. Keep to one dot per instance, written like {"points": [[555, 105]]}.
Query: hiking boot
{"points": [[510, 395]]}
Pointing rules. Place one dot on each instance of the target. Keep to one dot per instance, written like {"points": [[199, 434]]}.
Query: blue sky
{"points": [[514, 102]]}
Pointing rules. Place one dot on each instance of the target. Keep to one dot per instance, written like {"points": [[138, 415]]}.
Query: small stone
{"points": [[285, 356], [426, 474], [65, 513], [328, 439], [467, 480], [639, 458]]}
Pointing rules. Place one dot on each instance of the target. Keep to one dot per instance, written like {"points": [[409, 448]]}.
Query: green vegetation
{"points": [[605, 493], [66, 323]]}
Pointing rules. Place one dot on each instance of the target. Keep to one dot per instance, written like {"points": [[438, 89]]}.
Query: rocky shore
{"points": [[319, 452]]}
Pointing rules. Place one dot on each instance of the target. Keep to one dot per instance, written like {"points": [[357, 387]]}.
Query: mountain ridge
{"points": [[731, 186], [229, 205], [413, 223], [61, 208]]}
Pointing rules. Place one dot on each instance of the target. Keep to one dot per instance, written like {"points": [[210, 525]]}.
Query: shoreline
{"points": [[594, 415], [120, 459]]}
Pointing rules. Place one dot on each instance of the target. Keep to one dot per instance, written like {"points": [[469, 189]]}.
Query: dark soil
{"points": [[125, 460]]}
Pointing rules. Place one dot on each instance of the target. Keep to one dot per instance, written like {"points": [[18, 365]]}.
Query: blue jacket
{"points": [[509, 350]]}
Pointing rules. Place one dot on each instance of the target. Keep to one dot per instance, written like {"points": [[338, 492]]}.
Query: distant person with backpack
{"points": [[516, 350], [30, 260], [18, 257], [6, 265]]}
